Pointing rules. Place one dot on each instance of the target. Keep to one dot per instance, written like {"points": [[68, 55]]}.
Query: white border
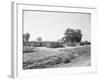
{"points": [[17, 12]]}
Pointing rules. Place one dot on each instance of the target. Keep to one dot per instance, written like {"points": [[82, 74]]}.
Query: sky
{"points": [[52, 25]]}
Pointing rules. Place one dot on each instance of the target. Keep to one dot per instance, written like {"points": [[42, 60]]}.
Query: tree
{"points": [[26, 37], [39, 39], [72, 36], [78, 35]]}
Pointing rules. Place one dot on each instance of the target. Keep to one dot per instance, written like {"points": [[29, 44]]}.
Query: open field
{"points": [[42, 57]]}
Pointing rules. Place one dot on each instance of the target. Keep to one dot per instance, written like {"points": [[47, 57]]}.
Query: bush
{"points": [[54, 45], [67, 60], [47, 44], [70, 44], [26, 44], [85, 43]]}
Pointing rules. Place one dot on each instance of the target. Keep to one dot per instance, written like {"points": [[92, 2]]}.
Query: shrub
{"points": [[33, 44], [70, 44], [26, 44], [47, 44], [67, 60], [54, 45], [85, 43], [59, 60], [50, 45]]}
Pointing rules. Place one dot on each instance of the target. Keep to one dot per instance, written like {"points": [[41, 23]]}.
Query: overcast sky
{"points": [[52, 25]]}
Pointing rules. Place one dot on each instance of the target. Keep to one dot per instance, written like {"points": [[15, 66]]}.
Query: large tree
{"points": [[72, 36]]}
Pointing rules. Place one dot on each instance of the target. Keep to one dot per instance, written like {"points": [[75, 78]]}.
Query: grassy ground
{"points": [[42, 57]]}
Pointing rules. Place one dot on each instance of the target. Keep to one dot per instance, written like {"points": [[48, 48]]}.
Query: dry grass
{"points": [[48, 58]]}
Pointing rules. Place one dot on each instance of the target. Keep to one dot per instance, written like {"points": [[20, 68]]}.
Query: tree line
{"points": [[71, 37]]}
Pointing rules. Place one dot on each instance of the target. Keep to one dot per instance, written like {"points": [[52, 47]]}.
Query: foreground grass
{"points": [[56, 58]]}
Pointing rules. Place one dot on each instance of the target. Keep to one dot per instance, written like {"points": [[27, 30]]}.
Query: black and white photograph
{"points": [[54, 39]]}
